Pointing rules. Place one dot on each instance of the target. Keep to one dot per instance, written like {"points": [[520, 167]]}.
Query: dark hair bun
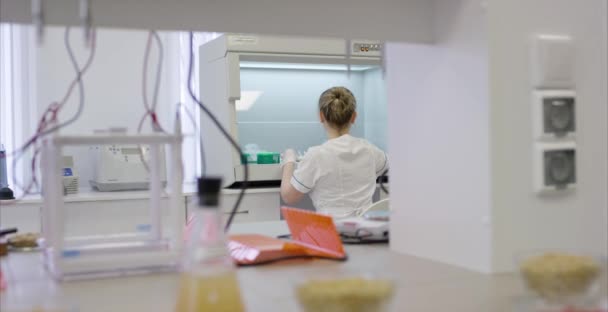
{"points": [[338, 105]]}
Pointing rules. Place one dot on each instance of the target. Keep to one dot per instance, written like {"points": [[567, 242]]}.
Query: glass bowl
{"points": [[345, 293], [561, 277]]}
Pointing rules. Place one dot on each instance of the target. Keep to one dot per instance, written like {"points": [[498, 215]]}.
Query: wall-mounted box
{"points": [[553, 62]]}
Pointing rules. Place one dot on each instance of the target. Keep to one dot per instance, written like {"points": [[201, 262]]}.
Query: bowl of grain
{"points": [[356, 293], [562, 277]]}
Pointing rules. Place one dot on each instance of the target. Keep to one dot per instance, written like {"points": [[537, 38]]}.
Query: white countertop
{"points": [[421, 285], [85, 195]]}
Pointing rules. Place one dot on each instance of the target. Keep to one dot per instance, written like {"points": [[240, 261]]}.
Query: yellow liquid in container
{"points": [[209, 293]]}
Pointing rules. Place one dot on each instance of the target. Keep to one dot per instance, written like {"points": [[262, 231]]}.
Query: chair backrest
{"points": [[379, 205]]}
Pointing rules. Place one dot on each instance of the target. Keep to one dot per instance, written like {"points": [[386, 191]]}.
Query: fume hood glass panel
{"points": [[375, 109], [278, 108]]}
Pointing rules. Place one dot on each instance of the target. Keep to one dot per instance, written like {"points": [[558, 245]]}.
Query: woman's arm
{"points": [[288, 193]]}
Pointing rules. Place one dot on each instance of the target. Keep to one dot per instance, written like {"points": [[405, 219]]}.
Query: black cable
{"points": [[382, 177], [76, 116], [203, 161], [80, 87], [159, 67], [151, 108], [54, 107], [234, 144]]}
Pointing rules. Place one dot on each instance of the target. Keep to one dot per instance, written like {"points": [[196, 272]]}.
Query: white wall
{"points": [[439, 145], [460, 126], [16, 98], [523, 220], [113, 84]]}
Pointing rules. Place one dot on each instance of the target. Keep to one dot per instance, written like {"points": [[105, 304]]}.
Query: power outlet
{"points": [[555, 166]]}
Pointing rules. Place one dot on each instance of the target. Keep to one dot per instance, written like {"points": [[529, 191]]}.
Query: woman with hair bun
{"points": [[340, 174]]}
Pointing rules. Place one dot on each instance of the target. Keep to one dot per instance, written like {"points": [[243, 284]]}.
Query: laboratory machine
{"points": [[265, 91], [121, 167], [70, 176]]}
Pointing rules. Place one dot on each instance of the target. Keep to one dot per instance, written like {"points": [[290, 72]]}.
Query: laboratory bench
{"points": [[421, 285]]}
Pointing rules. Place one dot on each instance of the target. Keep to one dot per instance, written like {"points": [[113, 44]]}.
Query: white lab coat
{"points": [[340, 175]]}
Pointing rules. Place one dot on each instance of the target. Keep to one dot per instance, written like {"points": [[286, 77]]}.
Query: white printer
{"points": [[123, 167]]}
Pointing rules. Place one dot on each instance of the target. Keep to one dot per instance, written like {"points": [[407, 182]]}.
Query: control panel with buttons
{"points": [[367, 48]]}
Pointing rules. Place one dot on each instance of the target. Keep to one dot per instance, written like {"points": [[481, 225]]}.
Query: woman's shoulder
{"points": [[313, 152], [365, 143]]}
